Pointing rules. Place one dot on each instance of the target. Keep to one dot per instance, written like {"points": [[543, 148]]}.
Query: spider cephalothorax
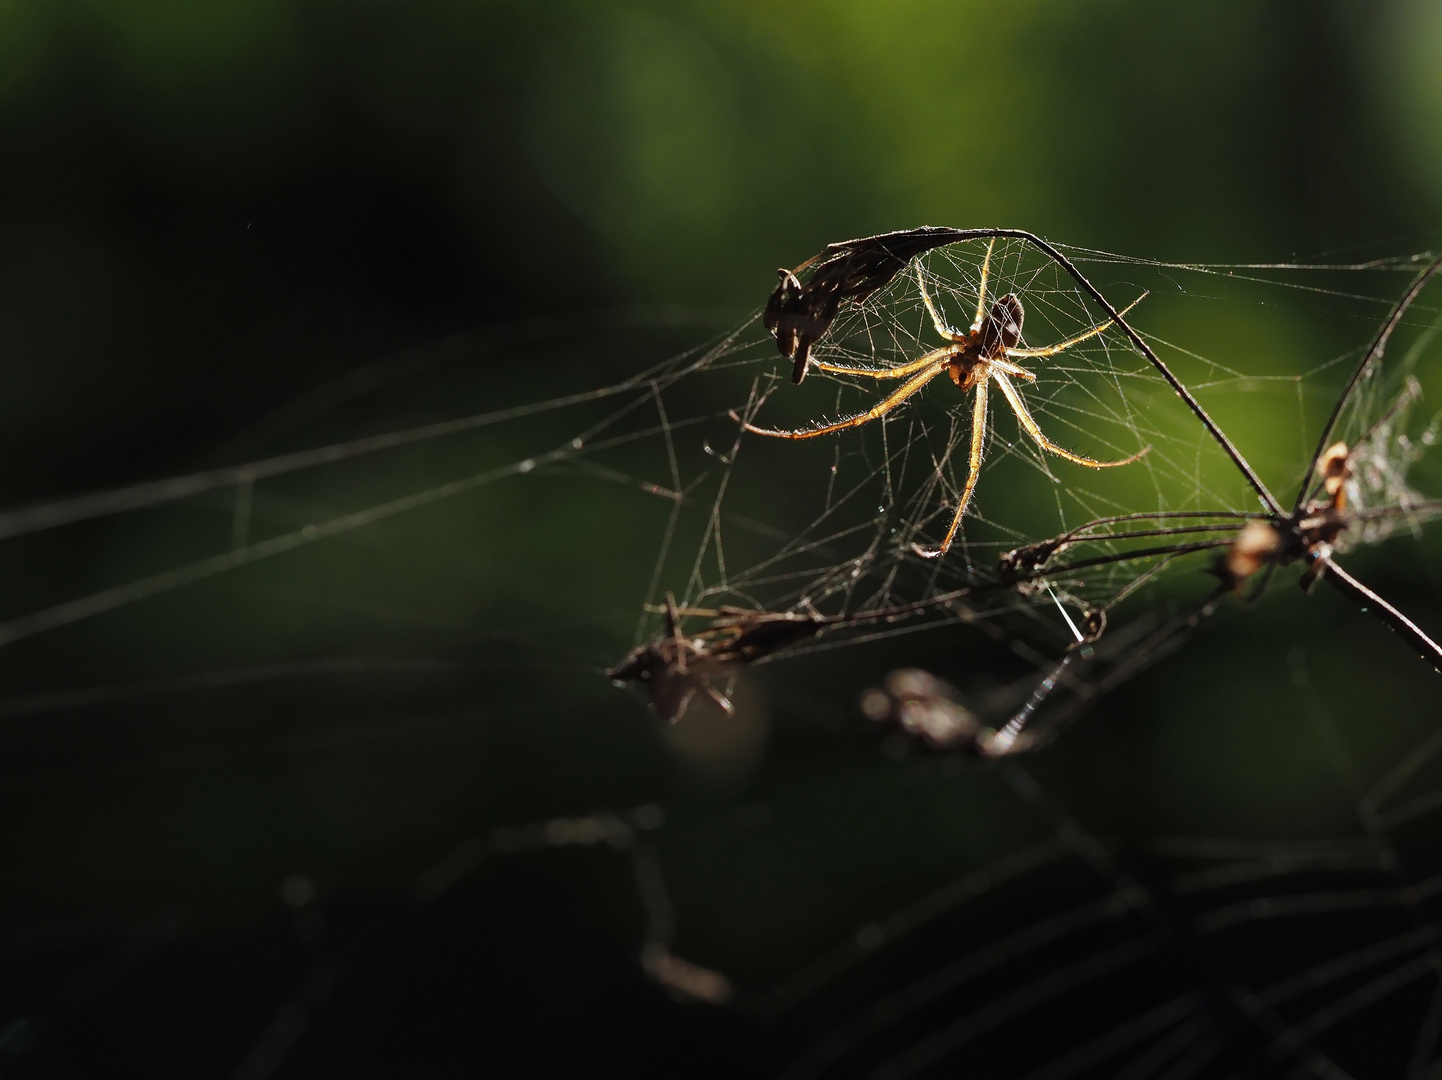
{"points": [[999, 331]]}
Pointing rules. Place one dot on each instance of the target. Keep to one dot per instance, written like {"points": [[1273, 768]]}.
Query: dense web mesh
{"points": [[836, 526], [1172, 943]]}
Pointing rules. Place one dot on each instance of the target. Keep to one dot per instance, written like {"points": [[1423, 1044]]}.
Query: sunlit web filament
{"points": [[1007, 736]]}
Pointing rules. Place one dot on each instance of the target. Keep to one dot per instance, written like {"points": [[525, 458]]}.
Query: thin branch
{"points": [[1379, 343], [1176, 384], [1381, 513], [1159, 515], [917, 607], [1128, 556], [1134, 534], [1370, 602]]}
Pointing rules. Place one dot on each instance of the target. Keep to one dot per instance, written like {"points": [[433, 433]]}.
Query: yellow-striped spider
{"points": [[972, 358]]}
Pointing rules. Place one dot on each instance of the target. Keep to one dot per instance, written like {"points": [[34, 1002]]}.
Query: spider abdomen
{"points": [[1001, 329]]}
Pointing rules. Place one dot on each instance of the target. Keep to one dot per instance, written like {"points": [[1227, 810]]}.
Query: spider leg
{"points": [[936, 356], [981, 288], [1011, 369], [973, 466], [1052, 350], [880, 409], [1024, 417], [936, 320]]}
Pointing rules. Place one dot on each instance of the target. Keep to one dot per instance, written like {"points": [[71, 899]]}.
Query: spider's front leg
{"points": [[981, 288], [876, 412], [1062, 346], [942, 326]]}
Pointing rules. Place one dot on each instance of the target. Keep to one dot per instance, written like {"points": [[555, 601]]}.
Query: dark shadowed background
{"points": [[234, 230]]}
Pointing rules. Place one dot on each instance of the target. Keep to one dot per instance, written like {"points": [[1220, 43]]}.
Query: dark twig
{"points": [[1373, 353], [1182, 392], [1369, 601]]}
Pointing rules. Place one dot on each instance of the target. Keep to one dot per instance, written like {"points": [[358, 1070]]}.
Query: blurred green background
{"points": [[237, 229]]}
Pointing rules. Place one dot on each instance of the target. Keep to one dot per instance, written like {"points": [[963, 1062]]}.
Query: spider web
{"points": [[833, 525], [1187, 923], [894, 484]]}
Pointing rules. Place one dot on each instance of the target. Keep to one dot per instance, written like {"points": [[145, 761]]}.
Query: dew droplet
{"points": [[527, 465]]}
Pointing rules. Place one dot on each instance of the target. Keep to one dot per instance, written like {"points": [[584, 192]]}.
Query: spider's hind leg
{"points": [[973, 465], [1024, 417]]}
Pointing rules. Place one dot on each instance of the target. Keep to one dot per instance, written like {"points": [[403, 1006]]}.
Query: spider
{"points": [[972, 358]]}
